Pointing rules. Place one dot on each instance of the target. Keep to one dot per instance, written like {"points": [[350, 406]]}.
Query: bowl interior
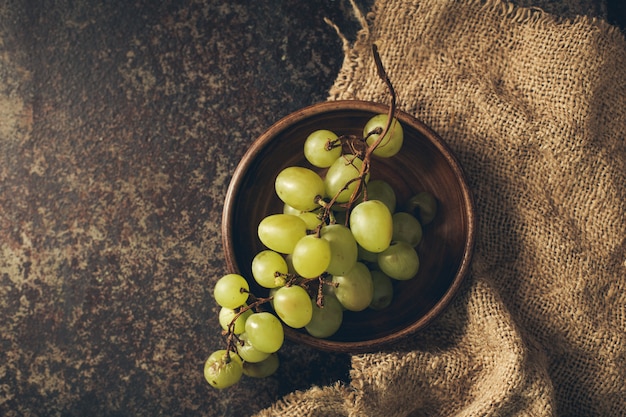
{"points": [[425, 163]]}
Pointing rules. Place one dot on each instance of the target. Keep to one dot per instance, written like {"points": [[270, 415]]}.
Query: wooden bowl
{"points": [[425, 163]]}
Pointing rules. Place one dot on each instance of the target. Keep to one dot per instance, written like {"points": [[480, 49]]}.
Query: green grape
{"points": [[406, 228], [299, 187], [311, 219], [383, 290], [265, 265], [231, 291], [247, 352], [289, 260], [391, 142], [262, 369], [424, 205], [366, 256], [265, 332], [311, 256], [328, 289], [281, 232], [343, 248], [342, 172], [399, 261], [272, 294], [227, 315], [372, 225], [287, 209], [355, 289], [316, 148], [293, 306], [223, 369], [382, 191], [326, 320]]}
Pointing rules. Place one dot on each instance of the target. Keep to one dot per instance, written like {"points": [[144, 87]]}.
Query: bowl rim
{"points": [[318, 109]]}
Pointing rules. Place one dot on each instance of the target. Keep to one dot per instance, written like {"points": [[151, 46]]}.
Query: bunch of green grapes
{"points": [[338, 245]]}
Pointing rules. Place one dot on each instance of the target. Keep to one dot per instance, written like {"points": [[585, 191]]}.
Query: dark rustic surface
{"points": [[120, 125]]}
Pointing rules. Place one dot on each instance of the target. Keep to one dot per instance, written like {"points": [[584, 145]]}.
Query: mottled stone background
{"points": [[121, 123]]}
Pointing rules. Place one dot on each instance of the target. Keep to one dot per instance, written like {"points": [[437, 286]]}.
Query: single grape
{"points": [[311, 256], [383, 290], [341, 173], [372, 225], [265, 332], [281, 232], [293, 305], [399, 261], [265, 265], [355, 289], [272, 294], [366, 256], [310, 219], [424, 205], [289, 260], [287, 209], [406, 228], [381, 190], [328, 289], [231, 291], [321, 148], [226, 316], [326, 320], [247, 352], [223, 369], [299, 187], [343, 248], [262, 369], [391, 142]]}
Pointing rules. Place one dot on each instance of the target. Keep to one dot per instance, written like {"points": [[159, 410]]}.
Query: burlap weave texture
{"points": [[535, 109]]}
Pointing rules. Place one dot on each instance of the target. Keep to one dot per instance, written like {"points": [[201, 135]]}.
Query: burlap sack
{"points": [[535, 109]]}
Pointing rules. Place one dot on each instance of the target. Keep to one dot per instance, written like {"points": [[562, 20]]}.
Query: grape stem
{"points": [[231, 338], [330, 144], [370, 149], [320, 290], [367, 154]]}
